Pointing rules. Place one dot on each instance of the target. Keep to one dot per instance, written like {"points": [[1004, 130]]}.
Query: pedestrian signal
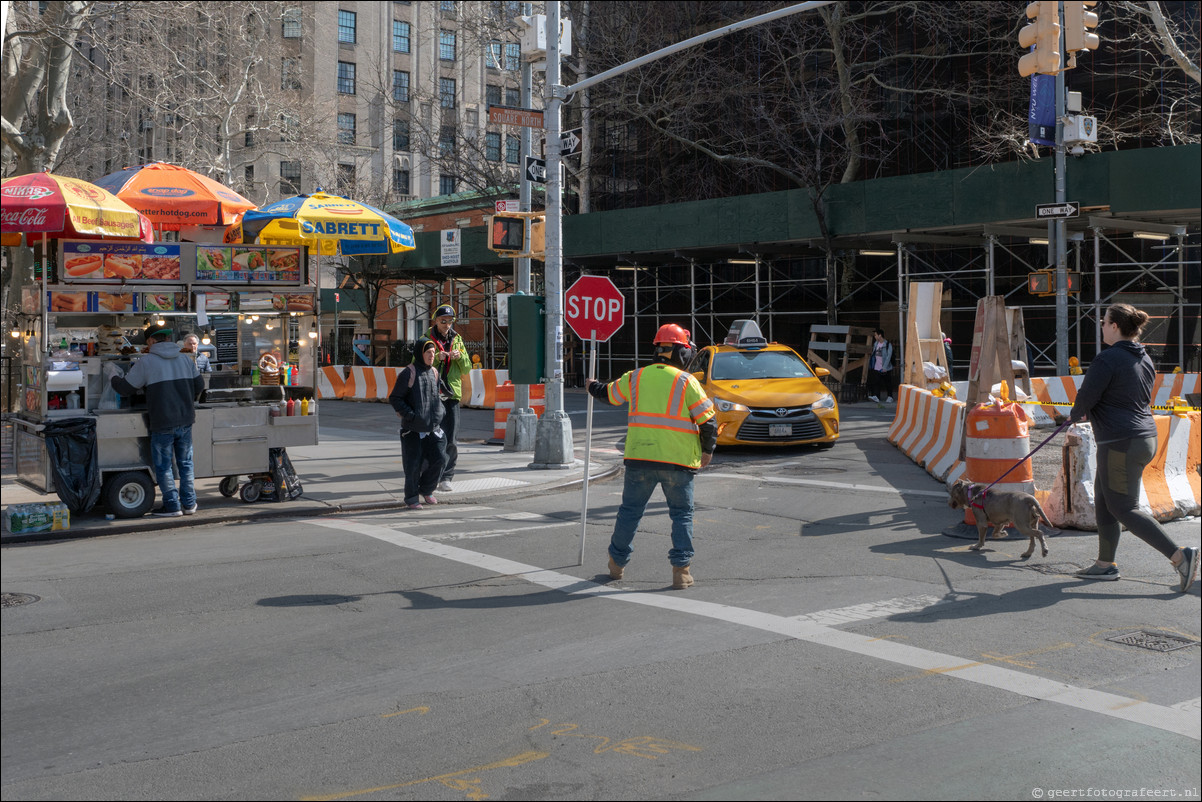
{"points": [[1041, 282], [517, 234]]}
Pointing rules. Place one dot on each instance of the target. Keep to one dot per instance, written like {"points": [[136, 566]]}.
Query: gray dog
{"points": [[996, 508]]}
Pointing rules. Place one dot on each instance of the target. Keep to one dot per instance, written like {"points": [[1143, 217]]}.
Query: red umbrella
{"points": [[57, 207], [174, 197]]}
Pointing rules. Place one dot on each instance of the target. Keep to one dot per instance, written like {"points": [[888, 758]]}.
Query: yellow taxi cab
{"points": [[765, 393]]}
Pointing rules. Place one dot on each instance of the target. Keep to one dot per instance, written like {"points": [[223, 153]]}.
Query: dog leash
{"points": [[1047, 440]]}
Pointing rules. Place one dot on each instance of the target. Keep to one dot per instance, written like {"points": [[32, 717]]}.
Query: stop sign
{"points": [[593, 307]]}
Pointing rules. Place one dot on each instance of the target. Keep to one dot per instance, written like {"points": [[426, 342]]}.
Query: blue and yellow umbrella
{"points": [[330, 223]]}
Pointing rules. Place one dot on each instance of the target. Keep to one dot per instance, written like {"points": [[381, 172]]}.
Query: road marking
{"points": [[456, 780], [420, 710], [864, 612], [787, 480], [1181, 722]]}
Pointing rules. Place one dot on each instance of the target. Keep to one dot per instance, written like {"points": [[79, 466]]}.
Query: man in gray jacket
{"points": [[417, 399], [172, 384]]}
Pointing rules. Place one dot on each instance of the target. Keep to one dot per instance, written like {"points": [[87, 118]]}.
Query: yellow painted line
{"points": [[930, 672], [422, 710], [456, 780]]}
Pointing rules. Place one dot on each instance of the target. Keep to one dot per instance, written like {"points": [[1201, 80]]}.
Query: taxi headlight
{"points": [[826, 402], [729, 406]]}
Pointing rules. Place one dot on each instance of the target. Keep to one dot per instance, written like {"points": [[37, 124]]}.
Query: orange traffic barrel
{"points": [[504, 406], [995, 438]]}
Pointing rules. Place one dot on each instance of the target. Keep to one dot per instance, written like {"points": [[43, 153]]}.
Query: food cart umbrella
{"points": [[336, 225], [175, 197], [58, 207]]}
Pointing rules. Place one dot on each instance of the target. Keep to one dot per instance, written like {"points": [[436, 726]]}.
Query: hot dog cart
{"points": [[256, 312]]}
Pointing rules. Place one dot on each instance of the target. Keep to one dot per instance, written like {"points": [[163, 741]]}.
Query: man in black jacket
{"points": [[172, 384], [418, 403]]}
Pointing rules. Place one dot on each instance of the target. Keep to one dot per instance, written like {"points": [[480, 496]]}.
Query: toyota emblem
{"points": [[781, 412]]}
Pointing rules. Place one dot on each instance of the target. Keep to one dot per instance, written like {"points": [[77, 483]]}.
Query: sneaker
{"points": [[430, 499], [1107, 573], [414, 506], [444, 486], [1188, 568], [161, 513], [889, 400], [190, 510], [874, 399]]}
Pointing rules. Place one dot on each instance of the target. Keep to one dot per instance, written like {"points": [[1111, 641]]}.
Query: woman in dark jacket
{"points": [[417, 399], [1116, 395]]}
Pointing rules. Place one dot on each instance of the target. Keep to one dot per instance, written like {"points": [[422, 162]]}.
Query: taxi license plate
{"points": [[780, 429]]}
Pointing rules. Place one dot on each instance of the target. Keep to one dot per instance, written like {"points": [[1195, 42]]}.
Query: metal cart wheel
{"points": [[228, 486], [129, 494], [251, 491]]}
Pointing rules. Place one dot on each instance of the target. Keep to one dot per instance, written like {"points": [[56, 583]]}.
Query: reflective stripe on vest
{"points": [[662, 426]]}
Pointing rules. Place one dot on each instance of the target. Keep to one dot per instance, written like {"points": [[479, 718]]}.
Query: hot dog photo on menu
{"points": [[122, 265]]}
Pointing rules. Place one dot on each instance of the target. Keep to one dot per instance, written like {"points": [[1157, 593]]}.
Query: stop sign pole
{"points": [[595, 309]]}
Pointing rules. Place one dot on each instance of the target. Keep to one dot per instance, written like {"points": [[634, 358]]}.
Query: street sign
{"points": [[451, 252], [508, 206], [536, 170], [571, 143], [506, 115], [1045, 211], [594, 307]]}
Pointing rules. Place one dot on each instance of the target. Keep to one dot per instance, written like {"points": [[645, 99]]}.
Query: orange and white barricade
{"points": [[504, 405], [928, 429], [1171, 485], [482, 385], [996, 438], [1174, 385], [330, 382]]}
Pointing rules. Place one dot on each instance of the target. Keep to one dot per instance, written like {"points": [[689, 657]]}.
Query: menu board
{"points": [[248, 263], [58, 302], [98, 262], [226, 342]]}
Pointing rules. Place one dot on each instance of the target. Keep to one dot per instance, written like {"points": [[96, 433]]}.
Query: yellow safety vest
{"points": [[666, 407]]}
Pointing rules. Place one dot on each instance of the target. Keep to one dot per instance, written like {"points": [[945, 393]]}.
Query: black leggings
{"points": [[1116, 497], [880, 383]]}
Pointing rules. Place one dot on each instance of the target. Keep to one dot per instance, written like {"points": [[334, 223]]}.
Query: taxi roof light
{"points": [[745, 334]]}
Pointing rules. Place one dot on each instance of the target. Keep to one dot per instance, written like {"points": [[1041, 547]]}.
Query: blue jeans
{"points": [[174, 444], [640, 484]]}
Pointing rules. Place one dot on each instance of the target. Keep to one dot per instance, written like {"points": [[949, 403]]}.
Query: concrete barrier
{"points": [[330, 382], [505, 405], [480, 388], [929, 430]]}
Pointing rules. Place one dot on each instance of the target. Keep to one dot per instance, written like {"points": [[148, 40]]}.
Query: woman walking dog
{"points": [[1116, 396]]}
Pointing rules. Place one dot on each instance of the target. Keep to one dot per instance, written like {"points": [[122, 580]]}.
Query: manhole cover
{"points": [[1054, 568], [1155, 641], [16, 599]]}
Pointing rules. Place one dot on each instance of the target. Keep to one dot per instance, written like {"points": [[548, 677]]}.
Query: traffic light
{"points": [[1042, 35], [517, 234], [1074, 282], [1078, 26]]}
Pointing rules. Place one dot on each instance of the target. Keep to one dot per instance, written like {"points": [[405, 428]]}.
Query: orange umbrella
{"points": [[58, 207], [174, 197]]}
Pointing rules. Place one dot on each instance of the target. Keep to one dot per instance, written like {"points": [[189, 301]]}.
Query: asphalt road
{"points": [[837, 646]]}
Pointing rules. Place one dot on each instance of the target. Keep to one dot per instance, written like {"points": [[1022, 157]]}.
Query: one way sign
{"points": [[571, 142], [1044, 211], [536, 170]]}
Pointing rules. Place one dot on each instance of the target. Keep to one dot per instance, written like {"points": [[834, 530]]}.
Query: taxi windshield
{"points": [[759, 365]]}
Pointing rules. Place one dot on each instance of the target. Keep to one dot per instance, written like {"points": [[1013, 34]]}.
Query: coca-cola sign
{"points": [[29, 219], [27, 192]]}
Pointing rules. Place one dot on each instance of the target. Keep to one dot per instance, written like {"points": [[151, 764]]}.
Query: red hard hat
{"points": [[671, 333]]}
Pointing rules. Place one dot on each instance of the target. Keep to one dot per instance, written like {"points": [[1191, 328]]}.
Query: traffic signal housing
{"points": [[1079, 23], [517, 234], [1043, 282], [1042, 36]]}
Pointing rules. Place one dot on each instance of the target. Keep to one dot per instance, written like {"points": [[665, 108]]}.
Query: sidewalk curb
{"points": [[262, 510]]}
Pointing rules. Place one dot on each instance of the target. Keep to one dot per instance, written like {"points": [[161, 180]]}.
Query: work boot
{"points": [[615, 570], [681, 578]]}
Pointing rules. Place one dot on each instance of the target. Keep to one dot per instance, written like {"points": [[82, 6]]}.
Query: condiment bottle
{"points": [[304, 406], [291, 407]]}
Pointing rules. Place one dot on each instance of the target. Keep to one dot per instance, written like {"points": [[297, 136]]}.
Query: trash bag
{"points": [[283, 476], [71, 444]]}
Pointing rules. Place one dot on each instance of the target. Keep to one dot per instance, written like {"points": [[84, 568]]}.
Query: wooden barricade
{"points": [[841, 350]]}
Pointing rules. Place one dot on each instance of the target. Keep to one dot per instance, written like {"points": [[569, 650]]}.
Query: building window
{"points": [[346, 129], [400, 182], [289, 128], [492, 95], [492, 55], [346, 26], [513, 97], [446, 185], [292, 23], [248, 177], [513, 149], [492, 146], [248, 139], [513, 56], [400, 86], [290, 178], [346, 179], [446, 93], [446, 141], [447, 7], [346, 78], [290, 73], [400, 36], [400, 135], [446, 45]]}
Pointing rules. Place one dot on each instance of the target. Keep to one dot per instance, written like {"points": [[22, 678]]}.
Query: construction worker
{"points": [[452, 361], [671, 434]]}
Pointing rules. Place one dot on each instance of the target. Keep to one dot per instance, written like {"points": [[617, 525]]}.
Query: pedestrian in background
{"points": [[880, 368], [416, 397], [670, 435], [453, 361], [1116, 397], [172, 383], [947, 354]]}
